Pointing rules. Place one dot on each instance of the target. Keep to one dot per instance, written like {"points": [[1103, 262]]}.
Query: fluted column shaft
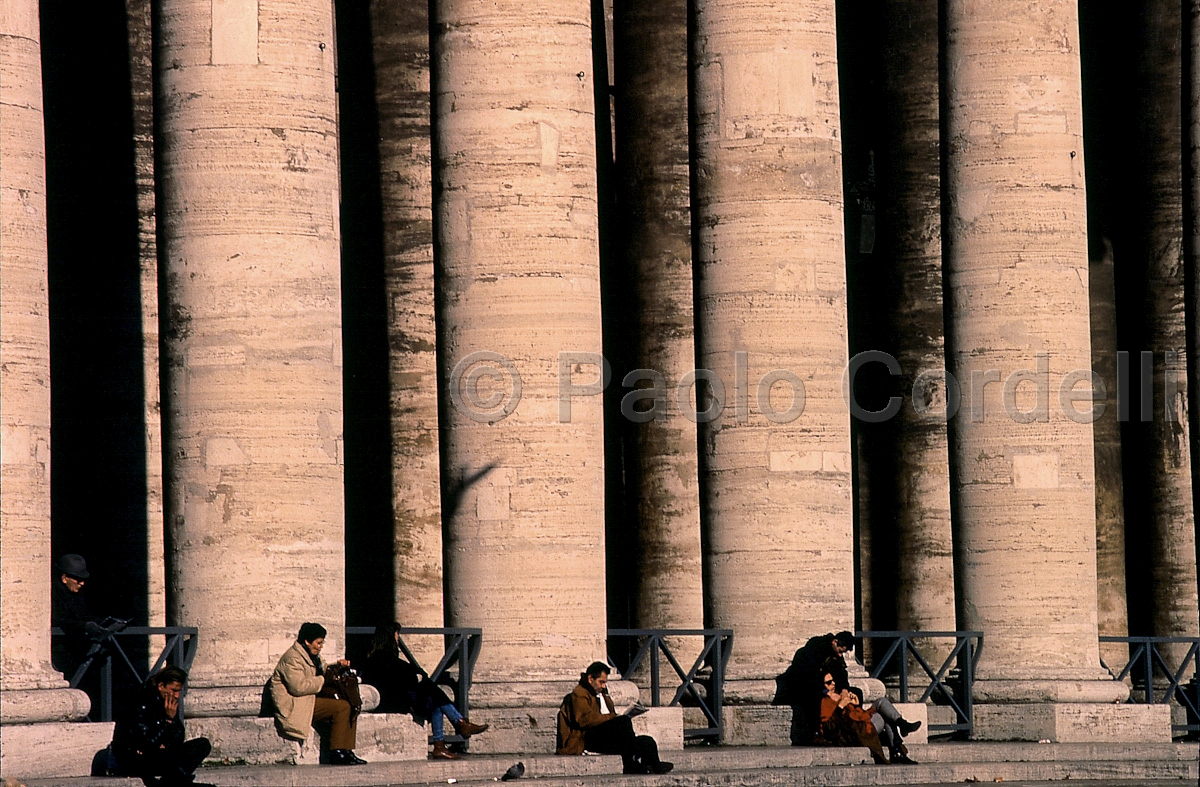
{"points": [[518, 277], [1015, 250], [772, 283], [248, 140], [25, 559], [650, 48], [400, 32]]}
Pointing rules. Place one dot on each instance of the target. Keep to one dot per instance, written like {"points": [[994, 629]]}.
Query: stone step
{"points": [[940, 764]]}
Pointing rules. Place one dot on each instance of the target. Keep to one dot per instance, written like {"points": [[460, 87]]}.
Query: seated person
{"points": [[801, 687], [148, 739], [587, 721], [404, 688], [890, 725], [291, 695], [845, 723]]}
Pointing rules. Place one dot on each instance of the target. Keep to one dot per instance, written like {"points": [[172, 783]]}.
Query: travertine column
{"points": [[139, 28], [1157, 255], [1015, 248], [30, 689], [400, 32], [911, 203], [1191, 218], [1112, 611], [515, 224], [253, 334], [650, 57], [772, 284]]}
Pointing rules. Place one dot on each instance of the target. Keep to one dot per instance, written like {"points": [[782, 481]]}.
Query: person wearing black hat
{"points": [[71, 613], [801, 686]]}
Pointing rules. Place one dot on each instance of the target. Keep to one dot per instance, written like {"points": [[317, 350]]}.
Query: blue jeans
{"points": [[439, 728]]}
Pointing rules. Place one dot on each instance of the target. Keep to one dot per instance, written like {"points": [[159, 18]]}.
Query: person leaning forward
{"points": [[292, 695], [587, 721]]}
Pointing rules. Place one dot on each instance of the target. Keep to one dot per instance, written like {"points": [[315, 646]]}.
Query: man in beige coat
{"points": [[292, 692]]}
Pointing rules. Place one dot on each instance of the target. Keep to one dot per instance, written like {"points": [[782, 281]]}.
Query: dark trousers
{"points": [[639, 753], [173, 766]]}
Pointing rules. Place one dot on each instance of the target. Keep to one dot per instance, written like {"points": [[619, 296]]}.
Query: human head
{"points": [[385, 639], [72, 572], [829, 683], [169, 674], [596, 676], [309, 632], [845, 641]]}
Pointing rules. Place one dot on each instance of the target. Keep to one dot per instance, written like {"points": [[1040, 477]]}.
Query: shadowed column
{"points": [[772, 284], [248, 142], [30, 688], [401, 40], [518, 284], [650, 48], [1015, 245]]}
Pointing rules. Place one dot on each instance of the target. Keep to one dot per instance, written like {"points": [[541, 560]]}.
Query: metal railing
{"points": [[179, 650], [956, 691], [462, 647], [1146, 660], [707, 691]]}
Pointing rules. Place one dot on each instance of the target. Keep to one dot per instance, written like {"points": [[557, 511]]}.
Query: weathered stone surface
{"points": [[664, 725], [249, 212], [756, 725], [254, 741], [771, 284], [400, 33], [1073, 723], [1015, 249], [515, 154], [41, 751], [528, 729], [30, 688]]}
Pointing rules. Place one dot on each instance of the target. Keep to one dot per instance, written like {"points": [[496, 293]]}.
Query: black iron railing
{"points": [[1146, 662], [955, 690], [462, 647], [704, 687], [180, 650]]}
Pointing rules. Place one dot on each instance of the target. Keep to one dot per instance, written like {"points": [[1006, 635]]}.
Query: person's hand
{"points": [[171, 705], [845, 699], [853, 698], [344, 662]]}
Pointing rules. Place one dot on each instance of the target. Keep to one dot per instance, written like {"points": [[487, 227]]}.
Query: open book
{"points": [[636, 709]]}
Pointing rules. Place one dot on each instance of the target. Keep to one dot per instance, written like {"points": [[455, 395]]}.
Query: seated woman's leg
{"points": [[341, 729]]}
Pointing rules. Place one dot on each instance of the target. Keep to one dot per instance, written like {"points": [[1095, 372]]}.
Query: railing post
{"points": [[904, 647], [656, 642], [968, 672], [106, 688]]}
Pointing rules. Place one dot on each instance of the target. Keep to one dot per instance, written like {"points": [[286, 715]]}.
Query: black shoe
{"points": [[907, 727], [345, 757], [900, 758], [664, 767]]}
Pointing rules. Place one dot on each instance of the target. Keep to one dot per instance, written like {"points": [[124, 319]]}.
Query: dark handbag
{"points": [[341, 683]]}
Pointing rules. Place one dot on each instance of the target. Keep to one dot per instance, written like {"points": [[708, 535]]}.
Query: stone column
{"points": [[141, 76], [1191, 218], [1164, 461], [518, 284], [650, 57], [249, 185], [1112, 611], [911, 205], [401, 42], [1015, 247], [30, 688], [772, 284]]}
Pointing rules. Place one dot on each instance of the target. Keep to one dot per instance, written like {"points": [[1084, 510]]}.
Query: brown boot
{"points": [[440, 752], [467, 729]]}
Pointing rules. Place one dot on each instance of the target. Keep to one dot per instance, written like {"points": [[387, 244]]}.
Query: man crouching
{"points": [[587, 721]]}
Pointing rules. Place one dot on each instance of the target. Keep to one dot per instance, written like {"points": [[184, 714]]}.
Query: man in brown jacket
{"points": [[588, 721], [292, 695]]}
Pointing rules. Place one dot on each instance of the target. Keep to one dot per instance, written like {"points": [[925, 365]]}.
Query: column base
{"points": [[1043, 690], [1073, 723], [223, 701], [33, 706]]}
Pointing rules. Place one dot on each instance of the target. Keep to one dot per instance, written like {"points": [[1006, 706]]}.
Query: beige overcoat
{"points": [[293, 689]]}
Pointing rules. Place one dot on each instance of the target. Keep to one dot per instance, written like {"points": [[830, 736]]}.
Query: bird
{"points": [[515, 772]]}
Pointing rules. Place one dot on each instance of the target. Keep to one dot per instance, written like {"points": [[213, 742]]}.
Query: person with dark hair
{"points": [[843, 722], [801, 685], [405, 688], [588, 721], [148, 739], [291, 694]]}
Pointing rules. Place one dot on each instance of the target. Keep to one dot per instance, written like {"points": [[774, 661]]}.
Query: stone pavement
{"points": [[1110, 765]]}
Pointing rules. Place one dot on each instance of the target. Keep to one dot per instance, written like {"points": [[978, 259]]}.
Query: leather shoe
{"points": [[664, 767], [440, 752], [345, 757], [467, 729], [907, 727], [900, 758]]}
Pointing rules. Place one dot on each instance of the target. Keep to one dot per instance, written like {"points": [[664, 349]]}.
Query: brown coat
{"points": [[293, 690], [580, 710]]}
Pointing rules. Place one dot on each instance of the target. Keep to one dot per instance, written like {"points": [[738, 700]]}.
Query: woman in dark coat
{"points": [[405, 688]]}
